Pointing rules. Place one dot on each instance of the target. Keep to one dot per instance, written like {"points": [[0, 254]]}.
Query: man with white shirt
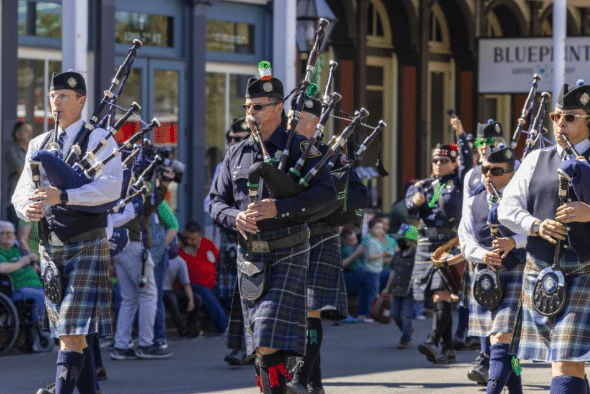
{"points": [[530, 206], [74, 245], [502, 252]]}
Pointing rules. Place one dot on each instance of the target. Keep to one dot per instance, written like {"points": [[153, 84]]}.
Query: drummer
{"points": [[437, 202]]}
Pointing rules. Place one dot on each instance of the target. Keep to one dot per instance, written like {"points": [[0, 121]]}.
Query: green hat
{"points": [[408, 231]]}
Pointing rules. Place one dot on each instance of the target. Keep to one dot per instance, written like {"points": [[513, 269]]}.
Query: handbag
{"points": [[381, 309]]}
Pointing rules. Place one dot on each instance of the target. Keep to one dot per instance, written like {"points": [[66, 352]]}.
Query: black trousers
{"points": [[172, 299]]}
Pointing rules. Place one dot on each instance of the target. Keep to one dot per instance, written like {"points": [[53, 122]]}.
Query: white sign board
{"points": [[507, 65]]}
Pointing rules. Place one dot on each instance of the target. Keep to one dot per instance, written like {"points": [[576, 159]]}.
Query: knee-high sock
{"points": [[463, 323], [273, 374], [315, 380], [315, 334], [94, 345], [500, 368], [514, 384], [87, 383], [567, 385], [484, 344], [440, 320], [69, 366]]}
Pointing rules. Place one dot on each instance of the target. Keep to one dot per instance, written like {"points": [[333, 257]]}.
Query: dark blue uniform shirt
{"points": [[229, 194]]}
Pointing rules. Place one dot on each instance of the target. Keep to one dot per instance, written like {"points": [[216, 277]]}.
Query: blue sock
{"points": [[462, 323], [514, 384], [87, 383], [500, 368], [484, 343], [567, 385], [69, 366]]}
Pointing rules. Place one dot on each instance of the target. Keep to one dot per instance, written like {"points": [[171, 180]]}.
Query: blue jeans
{"points": [[401, 314], [212, 307], [32, 293], [383, 278], [160, 323], [368, 294]]}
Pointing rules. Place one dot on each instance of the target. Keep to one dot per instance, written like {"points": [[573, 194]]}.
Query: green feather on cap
{"points": [[264, 64]]}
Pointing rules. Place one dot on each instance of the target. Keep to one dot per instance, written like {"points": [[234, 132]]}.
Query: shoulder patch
{"points": [[313, 152]]}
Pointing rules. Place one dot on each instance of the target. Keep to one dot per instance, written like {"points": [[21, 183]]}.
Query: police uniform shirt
{"points": [[471, 249], [229, 194], [105, 187], [512, 211]]}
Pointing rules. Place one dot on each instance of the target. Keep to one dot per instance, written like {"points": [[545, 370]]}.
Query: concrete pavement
{"points": [[356, 358]]}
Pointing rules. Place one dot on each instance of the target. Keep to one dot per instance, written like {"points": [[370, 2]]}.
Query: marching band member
{"points": [[480, 249], [531, 207], [437, 202], [75, 248], [274, 319], [326, 290]]}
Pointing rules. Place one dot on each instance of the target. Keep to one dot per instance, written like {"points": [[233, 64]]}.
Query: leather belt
{"points": [[321, 230], [85, 236], [270, 245], [437, 232]]}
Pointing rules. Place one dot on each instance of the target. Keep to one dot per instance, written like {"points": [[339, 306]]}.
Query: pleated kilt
{"points": [[326, 290], [278, 319], [86, 305], [226, 269], [483, 321], [565, 337], [425, 275], [465, 296]]}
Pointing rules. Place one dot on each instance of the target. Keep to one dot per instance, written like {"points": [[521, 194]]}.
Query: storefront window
{"points": [[41, 19], [128, 95], [166, 106], [153, 30], [230, 37], [33, 82]]}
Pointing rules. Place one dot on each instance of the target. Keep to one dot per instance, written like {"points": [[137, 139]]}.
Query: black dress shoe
{"points": [[447, 356], [50, 389], [480, 371], [429, 350], [296, 388]]}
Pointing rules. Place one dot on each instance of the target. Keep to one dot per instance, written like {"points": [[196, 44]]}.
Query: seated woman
{"points": [[25, 281]]}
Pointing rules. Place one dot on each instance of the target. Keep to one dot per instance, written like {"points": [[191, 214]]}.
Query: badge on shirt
{"points": [[211, 256], [313, 152]]}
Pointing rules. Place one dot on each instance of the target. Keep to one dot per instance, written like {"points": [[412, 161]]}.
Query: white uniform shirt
{"points": [[512, 211], [471, 249], [105, 187]]}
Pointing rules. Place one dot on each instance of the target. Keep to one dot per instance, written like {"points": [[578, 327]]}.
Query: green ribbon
{"points": [[436, 195]]}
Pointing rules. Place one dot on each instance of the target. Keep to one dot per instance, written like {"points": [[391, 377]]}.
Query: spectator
{"points": [[377, 250], [28, 236], [177, 270], [201, 256], [353, 263], [25, 280], [14, 158], [399, 284]]}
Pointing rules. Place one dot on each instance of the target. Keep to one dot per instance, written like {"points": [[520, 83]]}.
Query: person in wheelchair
{"points": [[22, 270]]}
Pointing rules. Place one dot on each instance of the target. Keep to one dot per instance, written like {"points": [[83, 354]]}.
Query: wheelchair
{"points": [[17, 326]]}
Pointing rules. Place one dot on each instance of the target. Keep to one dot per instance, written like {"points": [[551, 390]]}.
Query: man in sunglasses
{"points": [[326, 290], [273, 237], [437, 203], [531, 207], [504, 253]]}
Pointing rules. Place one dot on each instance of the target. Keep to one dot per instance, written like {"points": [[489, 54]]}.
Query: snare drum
{"points": [[451, 263]]}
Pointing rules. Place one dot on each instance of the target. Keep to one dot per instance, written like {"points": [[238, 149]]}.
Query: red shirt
{"points": [[201, 267]]}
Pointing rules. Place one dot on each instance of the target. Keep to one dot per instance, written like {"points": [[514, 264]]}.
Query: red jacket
{"points": [[201, 268]]}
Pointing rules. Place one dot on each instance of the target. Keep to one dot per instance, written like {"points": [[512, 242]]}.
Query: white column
{"points": [[75, 40], [284, 43], [559, 36]]}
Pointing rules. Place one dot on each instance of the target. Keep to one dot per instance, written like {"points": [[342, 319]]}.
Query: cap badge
{"points": [[498, 129], [72, 82], [508, 154], [308, 104], [584, 98], [267, 87]]}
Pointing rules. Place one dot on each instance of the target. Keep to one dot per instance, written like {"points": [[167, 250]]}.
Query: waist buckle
{"points": [[260, 247]]}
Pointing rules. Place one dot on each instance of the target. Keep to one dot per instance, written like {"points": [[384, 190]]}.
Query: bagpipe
{"points": [[75, 171], [527, 109], [535, 138]]}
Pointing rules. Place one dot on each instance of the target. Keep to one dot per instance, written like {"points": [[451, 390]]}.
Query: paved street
{"points": [[358, 358]]}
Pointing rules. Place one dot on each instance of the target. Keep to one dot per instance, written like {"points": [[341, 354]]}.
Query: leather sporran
{"points": [[253, 279], [53, 283], [487, 289], [550, 293]]}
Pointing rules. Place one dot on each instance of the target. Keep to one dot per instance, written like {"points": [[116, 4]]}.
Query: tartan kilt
{"points": [[226, 269], [565, 337], [278, 319], [483, 321], [465, 294], [425, 276], [326, 290], [86, 305]]}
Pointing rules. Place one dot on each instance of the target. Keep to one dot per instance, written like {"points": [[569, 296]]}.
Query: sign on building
{"points": [[507, 65]]}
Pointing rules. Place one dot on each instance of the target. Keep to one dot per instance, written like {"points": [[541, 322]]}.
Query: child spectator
{"points": [[399, 284]]}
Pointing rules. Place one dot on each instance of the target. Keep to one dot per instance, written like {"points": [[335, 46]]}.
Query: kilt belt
{"points": [[261, 245], [322, 230], [53, 240], [440, 232], [583, 268]]}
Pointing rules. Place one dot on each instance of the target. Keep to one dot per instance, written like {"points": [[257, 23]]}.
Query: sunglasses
{"points": [[441, 161], [257, 107], [495, 171], [235, 139], [569, 118]]}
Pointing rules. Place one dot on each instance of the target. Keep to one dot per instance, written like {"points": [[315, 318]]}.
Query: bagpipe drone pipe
{"points": [[74, 171]]}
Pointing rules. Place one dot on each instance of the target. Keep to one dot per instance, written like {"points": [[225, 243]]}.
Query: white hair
{"points": [[4, 224]]}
